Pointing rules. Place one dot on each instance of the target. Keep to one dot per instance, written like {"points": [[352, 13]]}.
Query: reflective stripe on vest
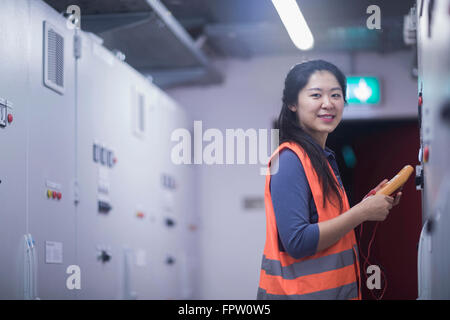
{"points": [[332, 273], [345, 292]]}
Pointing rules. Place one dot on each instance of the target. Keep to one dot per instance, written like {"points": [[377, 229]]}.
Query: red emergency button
{"points": [[10, 118], [420, 101], [140, 215], [426, 154]]}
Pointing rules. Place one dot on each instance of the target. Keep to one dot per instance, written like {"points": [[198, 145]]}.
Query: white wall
{"points": [[232, 239]]}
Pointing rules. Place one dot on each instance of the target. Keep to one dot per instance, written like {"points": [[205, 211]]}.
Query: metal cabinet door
{"points": [[13, 140], [51, 149]]}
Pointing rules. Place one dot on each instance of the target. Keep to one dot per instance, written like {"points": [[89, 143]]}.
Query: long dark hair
{"points": [[289, 126]]}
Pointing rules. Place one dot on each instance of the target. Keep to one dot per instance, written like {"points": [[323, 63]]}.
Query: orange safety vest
{"points": [[332, 273]]}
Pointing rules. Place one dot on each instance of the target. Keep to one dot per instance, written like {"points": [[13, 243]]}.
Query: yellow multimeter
{"points": [[397, 181]]}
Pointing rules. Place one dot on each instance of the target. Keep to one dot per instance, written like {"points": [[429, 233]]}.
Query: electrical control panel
{"points": [[88, 143], [433, 174]]}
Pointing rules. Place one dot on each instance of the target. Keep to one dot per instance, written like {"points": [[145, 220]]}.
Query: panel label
{"points": [[53, 252]]}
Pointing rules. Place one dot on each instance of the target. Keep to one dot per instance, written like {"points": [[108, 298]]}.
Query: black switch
{"points": [[96, 152], [104, 256], [103, 156], [430, 225], [104, 207], [445, 112], [170, 222], [110, 159], [170, 260], [419, 180], [3, 115]]}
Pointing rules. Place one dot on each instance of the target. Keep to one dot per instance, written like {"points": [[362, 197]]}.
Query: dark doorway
{"points": [[368, 152]]}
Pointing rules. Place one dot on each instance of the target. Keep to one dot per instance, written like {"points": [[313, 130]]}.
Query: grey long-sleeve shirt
{"points": [[295, 210]]}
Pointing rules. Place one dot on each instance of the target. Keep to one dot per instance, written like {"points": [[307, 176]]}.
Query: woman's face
{"points": [[320, 105]]}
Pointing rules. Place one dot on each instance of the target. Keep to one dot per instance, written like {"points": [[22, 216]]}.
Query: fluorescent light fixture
{"points": [[295, 23]]}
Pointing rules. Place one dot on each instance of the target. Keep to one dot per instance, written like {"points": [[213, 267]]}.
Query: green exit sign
{"points": [[363, 90]]}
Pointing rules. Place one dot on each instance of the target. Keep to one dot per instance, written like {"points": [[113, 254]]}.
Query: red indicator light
{"points": [[426, 154]]}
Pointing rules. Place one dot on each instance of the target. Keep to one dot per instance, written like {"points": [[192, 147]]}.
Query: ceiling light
{"points": [[295, 23]]}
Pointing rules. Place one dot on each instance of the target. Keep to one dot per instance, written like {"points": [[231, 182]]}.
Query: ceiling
{"points": [[247, 28], [175, 38]]}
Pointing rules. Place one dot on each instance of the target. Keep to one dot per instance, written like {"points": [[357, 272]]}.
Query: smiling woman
{"points": [[313, 90], [311, 250], [322, 102]]}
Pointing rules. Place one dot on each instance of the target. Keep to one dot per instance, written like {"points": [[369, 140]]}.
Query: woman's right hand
{"points": [[376, 207]]}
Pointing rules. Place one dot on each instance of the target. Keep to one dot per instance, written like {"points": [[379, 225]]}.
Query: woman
{"points": [[310, 250]]}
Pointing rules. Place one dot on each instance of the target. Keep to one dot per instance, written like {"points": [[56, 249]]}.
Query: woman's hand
{"points": [[397, 195], [376, 207]]}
